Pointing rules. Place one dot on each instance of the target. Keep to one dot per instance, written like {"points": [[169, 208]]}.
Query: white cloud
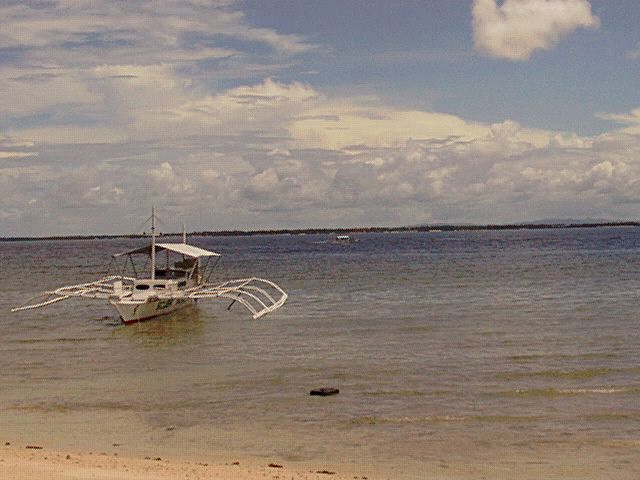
{"points": [[28, 91], [143, 31], [167, 179], [14, 148], [500, 176], [16, 154], [70, 62], [13, 142], [284, 154], [274, 153], [632, 120], [515, 29]]}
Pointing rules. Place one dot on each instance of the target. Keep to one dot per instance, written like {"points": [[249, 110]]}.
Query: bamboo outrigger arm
{"points": [[257, 295], [100, 289]]}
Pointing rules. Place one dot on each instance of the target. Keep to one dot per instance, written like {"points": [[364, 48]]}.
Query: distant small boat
{"points": [[179, 283], [345, 239]]}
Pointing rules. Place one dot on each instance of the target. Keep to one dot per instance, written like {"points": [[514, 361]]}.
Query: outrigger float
{"points": [[180, 282]]}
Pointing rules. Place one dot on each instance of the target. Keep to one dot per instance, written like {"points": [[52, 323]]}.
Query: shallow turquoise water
{"points": [[438, 342]]}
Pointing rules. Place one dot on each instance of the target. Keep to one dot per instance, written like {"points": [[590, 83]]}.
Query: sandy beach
{"points": [[618, 460], [33, 462]]}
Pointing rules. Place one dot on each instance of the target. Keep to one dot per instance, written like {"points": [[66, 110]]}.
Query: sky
{"points": [[253, 114]]}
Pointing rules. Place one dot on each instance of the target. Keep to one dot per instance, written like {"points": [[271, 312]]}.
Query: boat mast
{"points": [[153, 243], [184, 233]]}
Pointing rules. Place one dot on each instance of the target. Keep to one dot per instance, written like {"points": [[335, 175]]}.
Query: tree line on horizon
{"points": [[336, 231]]}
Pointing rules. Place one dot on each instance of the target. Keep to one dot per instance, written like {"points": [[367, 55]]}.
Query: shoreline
{"points": [[599, 460], [35, 461], [435, 228]]}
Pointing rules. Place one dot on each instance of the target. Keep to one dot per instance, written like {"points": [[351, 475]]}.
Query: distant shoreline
{"points": [[336, 231]]}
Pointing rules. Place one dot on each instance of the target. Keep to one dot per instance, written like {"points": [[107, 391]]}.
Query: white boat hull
{"points": [[138, 311]]}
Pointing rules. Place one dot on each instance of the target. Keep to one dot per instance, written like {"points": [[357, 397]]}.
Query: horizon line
{"points": [[339, 230]]}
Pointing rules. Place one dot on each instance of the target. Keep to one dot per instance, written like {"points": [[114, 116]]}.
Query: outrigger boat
{"points": [[179, 283]]}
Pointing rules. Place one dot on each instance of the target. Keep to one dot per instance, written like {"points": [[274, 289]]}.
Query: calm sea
{"points": [[444, 346]]}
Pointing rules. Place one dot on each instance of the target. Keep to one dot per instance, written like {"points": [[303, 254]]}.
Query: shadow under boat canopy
{"points": [[181, 248]]}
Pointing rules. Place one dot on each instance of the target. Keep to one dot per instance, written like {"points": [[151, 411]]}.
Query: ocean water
{"points": [[487, 347]]}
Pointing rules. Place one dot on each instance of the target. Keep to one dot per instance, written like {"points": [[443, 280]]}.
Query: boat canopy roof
{"points": [[182, 248]]}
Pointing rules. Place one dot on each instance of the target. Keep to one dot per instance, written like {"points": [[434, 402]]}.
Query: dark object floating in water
{"points": [[324, 391], [275, 465], [326, 472], [34, 447]]}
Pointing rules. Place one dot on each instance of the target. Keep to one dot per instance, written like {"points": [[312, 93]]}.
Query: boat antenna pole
{"points": [[184, 233], [153, 243]]}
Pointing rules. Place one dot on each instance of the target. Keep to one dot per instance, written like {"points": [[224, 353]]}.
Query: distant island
{"points": [[338, 231]]}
